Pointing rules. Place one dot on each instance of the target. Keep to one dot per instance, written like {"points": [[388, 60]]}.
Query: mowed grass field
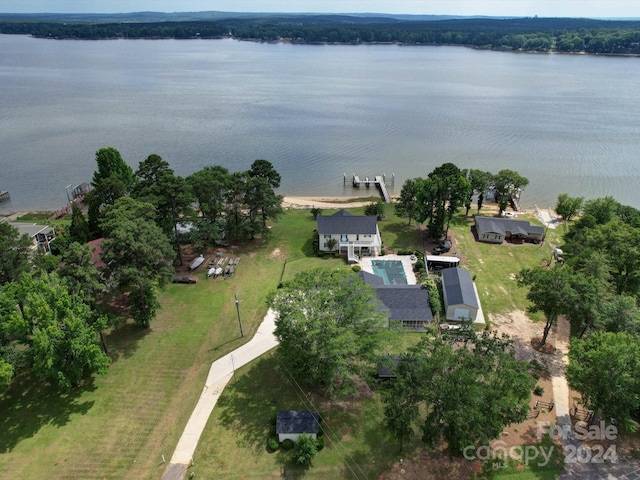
{"points": [[121, 424]]}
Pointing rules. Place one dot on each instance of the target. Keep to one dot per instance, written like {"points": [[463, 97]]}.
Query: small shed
{"points": [[460, 297], [290, 424]]}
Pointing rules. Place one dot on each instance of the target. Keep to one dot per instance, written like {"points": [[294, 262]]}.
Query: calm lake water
{"points": [[568, 123]]}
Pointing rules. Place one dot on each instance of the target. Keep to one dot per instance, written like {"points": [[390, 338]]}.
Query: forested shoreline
{"points": [[571, 35]]}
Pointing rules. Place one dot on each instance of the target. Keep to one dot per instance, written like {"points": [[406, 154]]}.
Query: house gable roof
{"points": [[343, 222], [405, 302], [458, 286], [401, 302], [297, 421], [503, 225]]}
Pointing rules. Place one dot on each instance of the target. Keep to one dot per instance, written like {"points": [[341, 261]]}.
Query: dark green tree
{"points": [[470, 393], [549, 292], [15, 253], [376, 208], [407, 205], [604, 368], [169, 193], [237, 220], [328, 327], [305, 450], [440, 195], [568, 207], [63, 341], [602, 210], [106, 192], [621, 313], [264, 169], [209, 187], [508, 185], [137, 253], [262, 204], [79, 228], [79, 273], [403, 396], [479, 181], [111, 164]]}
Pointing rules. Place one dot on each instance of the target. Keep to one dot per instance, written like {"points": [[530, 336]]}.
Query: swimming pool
{"points": [[391, 271]]}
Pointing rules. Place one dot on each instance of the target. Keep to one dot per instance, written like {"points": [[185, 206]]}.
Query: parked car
{"points": [[185, 279], [444, 247]]}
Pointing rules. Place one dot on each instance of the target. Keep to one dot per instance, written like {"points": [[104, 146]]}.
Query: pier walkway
{"points": [[378, 181]]}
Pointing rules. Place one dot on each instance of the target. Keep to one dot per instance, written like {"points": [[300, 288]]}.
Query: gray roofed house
{"points": [[351, 232], [405, 304], [460, 297], [41, 235], [290, 424], [496, 230]]}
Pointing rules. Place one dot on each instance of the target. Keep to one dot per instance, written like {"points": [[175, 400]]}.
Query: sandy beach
{"points": [[323, 202]]}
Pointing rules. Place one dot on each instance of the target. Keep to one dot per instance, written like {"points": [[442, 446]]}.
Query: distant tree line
{"points": [[521, 34]]}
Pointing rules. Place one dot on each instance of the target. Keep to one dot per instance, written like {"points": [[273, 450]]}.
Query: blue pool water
{"points": [[391, 271]]}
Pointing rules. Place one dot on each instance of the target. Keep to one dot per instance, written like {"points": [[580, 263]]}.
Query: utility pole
{"points": [[238, 311]]}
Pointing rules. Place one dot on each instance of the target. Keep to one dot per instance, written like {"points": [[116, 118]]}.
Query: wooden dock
{"points": [[4, 196], [379, 181]]}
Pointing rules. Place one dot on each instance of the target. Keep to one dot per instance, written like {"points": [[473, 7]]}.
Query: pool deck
{"points": [[365, 264]]}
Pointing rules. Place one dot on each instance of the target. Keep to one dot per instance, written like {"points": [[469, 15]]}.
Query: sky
{"points": [[523, 8]]}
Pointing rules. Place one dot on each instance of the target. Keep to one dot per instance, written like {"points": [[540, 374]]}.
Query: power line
{"points": [[308, 403]]}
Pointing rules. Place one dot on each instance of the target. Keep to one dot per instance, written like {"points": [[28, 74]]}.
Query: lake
{"points": [[569, 123]]}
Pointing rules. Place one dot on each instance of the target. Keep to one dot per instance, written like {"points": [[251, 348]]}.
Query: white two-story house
{"points": [[353, 235]]}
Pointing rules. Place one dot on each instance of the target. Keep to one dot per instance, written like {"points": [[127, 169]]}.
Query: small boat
{"points": [[211, 271], [196, 262]]}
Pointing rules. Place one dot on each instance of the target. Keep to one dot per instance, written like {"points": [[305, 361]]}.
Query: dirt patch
{"points": [[521, 329], [432, 466], [276, 254], [547, 348]]}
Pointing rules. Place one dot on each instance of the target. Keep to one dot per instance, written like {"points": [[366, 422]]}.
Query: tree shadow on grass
{"points": [[249, 402], [31, 404], [406, 236], [123, 339], [251, 398]]}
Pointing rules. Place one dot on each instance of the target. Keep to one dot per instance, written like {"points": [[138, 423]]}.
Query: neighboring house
{"points": [[405, 305], [497, 230], [290, 424], [354, 235], [460, 296], [41, 235]]}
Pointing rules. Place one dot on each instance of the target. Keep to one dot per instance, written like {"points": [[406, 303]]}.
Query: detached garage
{"points": [[460, 296]]}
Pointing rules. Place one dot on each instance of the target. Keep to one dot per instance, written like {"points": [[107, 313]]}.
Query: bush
{"points": [[319, 443], [356, 268], [418, 266], [273, 418], [306, 449], [287, 444], [273, 444], [538, 390]]}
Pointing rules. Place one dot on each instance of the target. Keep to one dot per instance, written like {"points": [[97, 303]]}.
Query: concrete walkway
{"points": [[622, 469], [219, 375]]}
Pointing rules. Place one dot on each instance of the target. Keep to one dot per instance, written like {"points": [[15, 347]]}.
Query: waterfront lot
{"points": [[121, 424]]}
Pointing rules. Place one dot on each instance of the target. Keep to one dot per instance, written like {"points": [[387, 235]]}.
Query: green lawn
{"points": [[121, 424]]}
